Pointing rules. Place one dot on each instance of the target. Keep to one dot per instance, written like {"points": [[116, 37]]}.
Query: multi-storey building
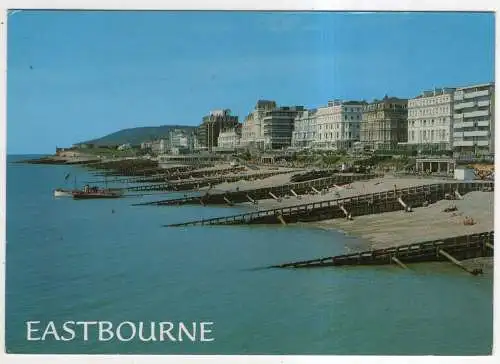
{"points": [[229, 139], [160, 146], [196, 143], [304, 132], [474, 120], [430, 120], [338, 124], [252, 133], [211, 126], [179, 138], [385, 123], [278, 126]]}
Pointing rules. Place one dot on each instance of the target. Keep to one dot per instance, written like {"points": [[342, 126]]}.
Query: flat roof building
{"points": [[385, 123], [474, 120]]}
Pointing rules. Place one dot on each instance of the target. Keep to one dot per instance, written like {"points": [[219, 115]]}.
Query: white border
{"points": [[352, 5], [359, 5]]}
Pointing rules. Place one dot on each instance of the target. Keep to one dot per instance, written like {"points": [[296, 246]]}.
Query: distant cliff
{"points": [[136, 136]]}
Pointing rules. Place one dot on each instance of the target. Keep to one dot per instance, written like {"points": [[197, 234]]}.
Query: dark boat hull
{"points": [[95, 195]]}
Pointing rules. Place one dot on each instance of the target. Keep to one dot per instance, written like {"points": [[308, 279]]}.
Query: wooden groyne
{"points": [[373, 203], [128, 167], [253, 195], [58, 161], [451, 249], [176, 174], [139, 174], [140, 167], [195, 184]]}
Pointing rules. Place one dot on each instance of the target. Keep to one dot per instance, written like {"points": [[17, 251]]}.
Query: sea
{"points": [[106, 260]]}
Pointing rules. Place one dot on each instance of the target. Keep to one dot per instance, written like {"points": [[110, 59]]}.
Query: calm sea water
{"points": [[76, 260]]}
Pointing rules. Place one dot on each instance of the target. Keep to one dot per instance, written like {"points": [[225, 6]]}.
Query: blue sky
{"points": [[98, 72]]}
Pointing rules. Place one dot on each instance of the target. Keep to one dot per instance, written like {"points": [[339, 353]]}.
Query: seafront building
{"points": [[430, 120], [181, 140], [335, 126], [160, 146], [252, 131], [304, 133], [474, 121], [277, 126], [212, 125], [384, 123], [443, 119], [229, 139], [338, 124]]}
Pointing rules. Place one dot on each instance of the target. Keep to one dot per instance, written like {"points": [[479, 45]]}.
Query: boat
{"points": [[61, 192], [64, 192], [95, 192]]}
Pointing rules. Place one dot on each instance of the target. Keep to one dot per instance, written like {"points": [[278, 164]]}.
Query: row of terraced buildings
{"points": [[445, 119]]}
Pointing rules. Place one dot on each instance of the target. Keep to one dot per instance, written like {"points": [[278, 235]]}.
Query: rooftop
{"points": [[489, 84]]}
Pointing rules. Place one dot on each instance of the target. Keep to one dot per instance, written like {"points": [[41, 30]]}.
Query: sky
{"points": [[78, 75]]}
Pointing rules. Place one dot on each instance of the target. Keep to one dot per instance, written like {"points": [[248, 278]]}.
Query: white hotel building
{"points": [[336, 126], [474, 120], [430, 120], [229, 139], [252, 132], [304, 132]]}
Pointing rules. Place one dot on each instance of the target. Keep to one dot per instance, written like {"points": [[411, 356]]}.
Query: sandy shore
{"points": [[354, 189], [425, 223], [259, 183]]}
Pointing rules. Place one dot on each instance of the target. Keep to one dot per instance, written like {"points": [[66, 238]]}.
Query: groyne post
{"points": [[281, 219], [346, 213], [400, 200], [398, 262], [456, 262], [273, 196]]}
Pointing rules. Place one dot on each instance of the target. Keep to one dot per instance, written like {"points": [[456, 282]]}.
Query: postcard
{"points": [[249, 182]]}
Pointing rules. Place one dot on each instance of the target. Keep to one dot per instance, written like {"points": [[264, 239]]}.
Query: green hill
{"points": [[136, 136]]}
